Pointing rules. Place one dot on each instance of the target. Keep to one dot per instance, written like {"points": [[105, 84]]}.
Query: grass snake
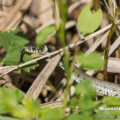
{"points": [[103, 87]]}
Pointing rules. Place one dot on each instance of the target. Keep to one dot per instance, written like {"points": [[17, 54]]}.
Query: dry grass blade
{"points": [[11, 15], [5, 68], [60, 89], [114, 46], [15, 15], [53, 104], [38, 84], [97, 43], [5, 83], [113, 65], [70, 24], [3, 14]]}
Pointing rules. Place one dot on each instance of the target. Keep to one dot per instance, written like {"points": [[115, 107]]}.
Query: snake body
{"points": [[103, 87]]}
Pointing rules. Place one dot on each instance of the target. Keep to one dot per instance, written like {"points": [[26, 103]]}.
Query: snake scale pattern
{"points": [[103, 87]]}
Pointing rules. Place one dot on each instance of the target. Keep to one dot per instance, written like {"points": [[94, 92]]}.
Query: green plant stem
{"points": [[112, 30], [63, 5], [96, 4]]}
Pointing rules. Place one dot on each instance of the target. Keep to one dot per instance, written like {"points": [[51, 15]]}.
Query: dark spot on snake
{"points": [[116, 95], [82, 78], [104, 87], [114, 90], [100, 90], [33, 47], [78, 75]]}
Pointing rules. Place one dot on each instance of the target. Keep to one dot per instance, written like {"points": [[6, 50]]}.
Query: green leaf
{"points": [[80, 117], [82, 89], [75, 117], [3, 108], [85, 97], [20, 112], [12, 93], [13, 41], [92, 61], [7, 118], [1, 62], [72, 104], [44, 34], [32, 106], [27, 68], [45, 109], [87, 104], [111, 101], [111, 18], [14, 57], [9, 97], [88, 22], [52, 114], [117, 12]]}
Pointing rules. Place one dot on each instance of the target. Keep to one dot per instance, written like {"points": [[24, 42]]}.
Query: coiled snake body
{"points": [[103, 87]]}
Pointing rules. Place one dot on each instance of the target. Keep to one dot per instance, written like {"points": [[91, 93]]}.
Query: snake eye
{"points": [[33, 47]]}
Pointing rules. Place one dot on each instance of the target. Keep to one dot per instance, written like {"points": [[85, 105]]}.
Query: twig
{"points": [[97, 43], [108, 7], [60, 50]]}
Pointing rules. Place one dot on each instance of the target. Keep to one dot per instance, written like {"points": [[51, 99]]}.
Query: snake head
{"points": [[33, 49]]}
